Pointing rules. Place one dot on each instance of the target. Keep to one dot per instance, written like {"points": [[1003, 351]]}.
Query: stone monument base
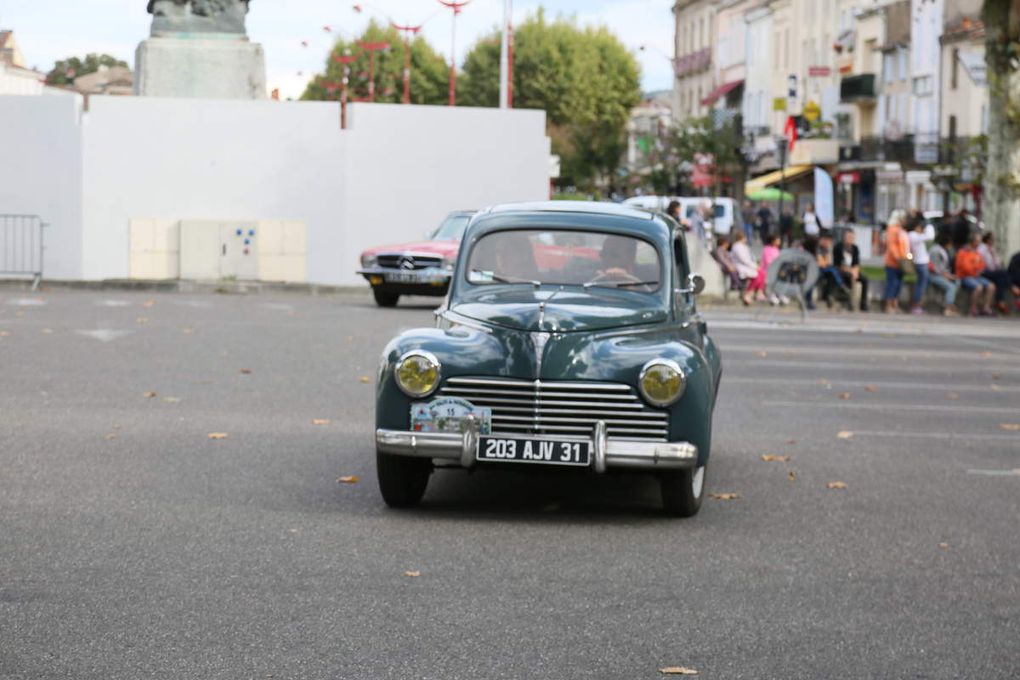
{"points": [[200, 68]]}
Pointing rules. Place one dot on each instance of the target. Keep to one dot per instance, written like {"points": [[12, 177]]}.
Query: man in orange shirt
{"points": [[897, 248], [969, 266]]}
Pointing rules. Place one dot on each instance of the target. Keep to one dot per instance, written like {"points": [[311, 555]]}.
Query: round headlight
{"points": [[368, 261], [417, 373], [662, 382]]}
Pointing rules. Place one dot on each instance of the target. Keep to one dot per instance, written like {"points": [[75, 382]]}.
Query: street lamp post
{"points": [[408, 31], [345, 60], [506, 66], [457, 6], [372, 48]]}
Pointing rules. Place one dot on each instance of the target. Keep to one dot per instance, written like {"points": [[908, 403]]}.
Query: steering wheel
{"points": [[616, 274]]}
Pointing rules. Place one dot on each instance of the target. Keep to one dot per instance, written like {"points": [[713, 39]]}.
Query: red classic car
{"points": [[422, 268]]}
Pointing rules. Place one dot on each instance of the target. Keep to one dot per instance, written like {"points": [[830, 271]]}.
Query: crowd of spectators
{"points": [[958, 256]]}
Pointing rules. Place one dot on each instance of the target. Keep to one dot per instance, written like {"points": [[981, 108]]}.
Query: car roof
{"points": [[585, 207]]}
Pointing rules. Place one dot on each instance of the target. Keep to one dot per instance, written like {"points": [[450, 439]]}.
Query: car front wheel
{"points": [[682, 491], [384, 298], [402, 480]]}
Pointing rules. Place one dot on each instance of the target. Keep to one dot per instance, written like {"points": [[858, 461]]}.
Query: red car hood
{"points": [[440, 248]]}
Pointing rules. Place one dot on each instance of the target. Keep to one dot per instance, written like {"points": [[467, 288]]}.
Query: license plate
{"points": [[539, 451], [411, 277]]}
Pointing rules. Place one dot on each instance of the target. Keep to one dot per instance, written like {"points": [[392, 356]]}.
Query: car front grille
{"points": [[409, 262], [535, 407]]}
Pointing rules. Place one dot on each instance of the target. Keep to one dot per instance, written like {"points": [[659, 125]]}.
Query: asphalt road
{"points": [[133, 546]]}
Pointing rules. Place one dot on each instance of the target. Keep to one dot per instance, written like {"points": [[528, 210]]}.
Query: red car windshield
{"points": [[452, 228]]}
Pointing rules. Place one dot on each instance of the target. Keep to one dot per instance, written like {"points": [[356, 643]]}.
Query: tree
{"points": [[583, 78], [707, 147], [429, 71], [1001, 208], [65, 71]]}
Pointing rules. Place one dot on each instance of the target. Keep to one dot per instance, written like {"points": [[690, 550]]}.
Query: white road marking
{"points": [[27, 302], [879, 384], [935, 435], [833, 366], [898, 407], [112, 303], [200, 304], [279, 306], [104, 334], [996, 473], [901, 354], [935, 328]]}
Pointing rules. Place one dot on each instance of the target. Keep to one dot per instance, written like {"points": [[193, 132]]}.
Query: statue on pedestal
{"points": [[174, 18]]}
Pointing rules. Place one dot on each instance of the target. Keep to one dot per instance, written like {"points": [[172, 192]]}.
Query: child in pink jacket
{"points": [[768, 254]]}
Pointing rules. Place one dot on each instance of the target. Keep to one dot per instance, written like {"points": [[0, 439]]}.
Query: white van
{"points": [[725, 209]]}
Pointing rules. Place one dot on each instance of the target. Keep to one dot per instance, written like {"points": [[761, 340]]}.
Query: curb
{"points": [[178, 286]]}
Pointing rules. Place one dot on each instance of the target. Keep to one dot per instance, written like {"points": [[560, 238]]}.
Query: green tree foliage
{"points": [[66, 70], [429, 71], [715, 145], [585, 80]]}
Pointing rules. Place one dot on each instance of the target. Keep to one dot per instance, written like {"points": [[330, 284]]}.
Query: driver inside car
{"points": [[618, 257]]}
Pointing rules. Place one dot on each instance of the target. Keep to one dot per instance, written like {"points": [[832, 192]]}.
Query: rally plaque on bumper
{"points": [[533, 450]]}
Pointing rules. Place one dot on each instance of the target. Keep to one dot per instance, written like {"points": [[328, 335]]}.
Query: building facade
{"points": [[694, 39]]}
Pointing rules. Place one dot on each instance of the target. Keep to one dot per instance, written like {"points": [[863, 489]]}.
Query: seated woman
{"points": [[722, 256], [743, 261], [995, 272], [969, 267]]}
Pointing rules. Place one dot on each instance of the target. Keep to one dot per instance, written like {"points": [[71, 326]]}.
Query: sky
{"points": [[49, 30]]}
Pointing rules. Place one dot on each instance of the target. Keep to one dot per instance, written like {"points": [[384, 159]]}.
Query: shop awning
{"points": [[776, 176], [721, 91]]}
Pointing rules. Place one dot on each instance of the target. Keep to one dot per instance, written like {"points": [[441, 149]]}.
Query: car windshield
{"points": [[452, 228], [566, 258]]}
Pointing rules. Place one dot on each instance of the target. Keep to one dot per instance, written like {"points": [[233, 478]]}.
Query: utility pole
{"points": [[372, 48], [506, 73], [457, 6], [408, 31]]}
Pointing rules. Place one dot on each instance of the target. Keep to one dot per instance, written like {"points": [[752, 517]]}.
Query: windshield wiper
{"points": [[505, 279], [619, 284]]}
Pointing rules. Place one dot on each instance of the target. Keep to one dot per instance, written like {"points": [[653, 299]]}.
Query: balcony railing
{"points": [[695, 62], [857, 89], [890, 150]]}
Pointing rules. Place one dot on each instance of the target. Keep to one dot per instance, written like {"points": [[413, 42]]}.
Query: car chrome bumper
{"points": [[608, 453]]}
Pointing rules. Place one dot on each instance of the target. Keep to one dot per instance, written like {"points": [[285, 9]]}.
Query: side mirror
{"points": [[695, 285]]}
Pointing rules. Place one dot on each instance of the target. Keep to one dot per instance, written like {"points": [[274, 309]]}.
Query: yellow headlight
{"points": [[417, 373], [662, 382]]}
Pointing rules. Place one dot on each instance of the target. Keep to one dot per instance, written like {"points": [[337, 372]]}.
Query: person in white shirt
{"points": [[812, 225], [743, 260], [920, 236]]}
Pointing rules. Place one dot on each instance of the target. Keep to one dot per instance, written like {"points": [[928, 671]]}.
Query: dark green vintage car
{"points": [[569, 337]]}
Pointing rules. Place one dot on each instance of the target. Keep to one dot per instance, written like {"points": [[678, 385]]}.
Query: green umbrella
{"points": [[770, 194]]}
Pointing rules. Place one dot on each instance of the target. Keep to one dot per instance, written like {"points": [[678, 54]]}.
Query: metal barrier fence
{"points": [[21, 247]]}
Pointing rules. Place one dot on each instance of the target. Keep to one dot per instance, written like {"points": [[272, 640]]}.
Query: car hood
{"points": [[562, 311], [439, 248]]}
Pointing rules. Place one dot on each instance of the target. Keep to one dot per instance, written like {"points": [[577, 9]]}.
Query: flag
{"points": [[790, 131]]}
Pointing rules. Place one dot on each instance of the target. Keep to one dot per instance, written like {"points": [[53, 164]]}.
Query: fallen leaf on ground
{"points": [[245, 371], [845, 435], [171, 400], [187, 331], [142, 319], [320, 421], [986, 355], [844, 396], [824, 381], [412, 574], [792, 476], [47, 331], [724, 496], [347, 479], [996, 376], [678, 670], [836, 485], [4, 334], [1010, 427], [996, 388], [790, 441], [953, 395], [149, 395], [943, 545], [148, 303], [870, 388], [218, 435], [773, 458], [365, 379], [112, 435], [763, 354]]}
